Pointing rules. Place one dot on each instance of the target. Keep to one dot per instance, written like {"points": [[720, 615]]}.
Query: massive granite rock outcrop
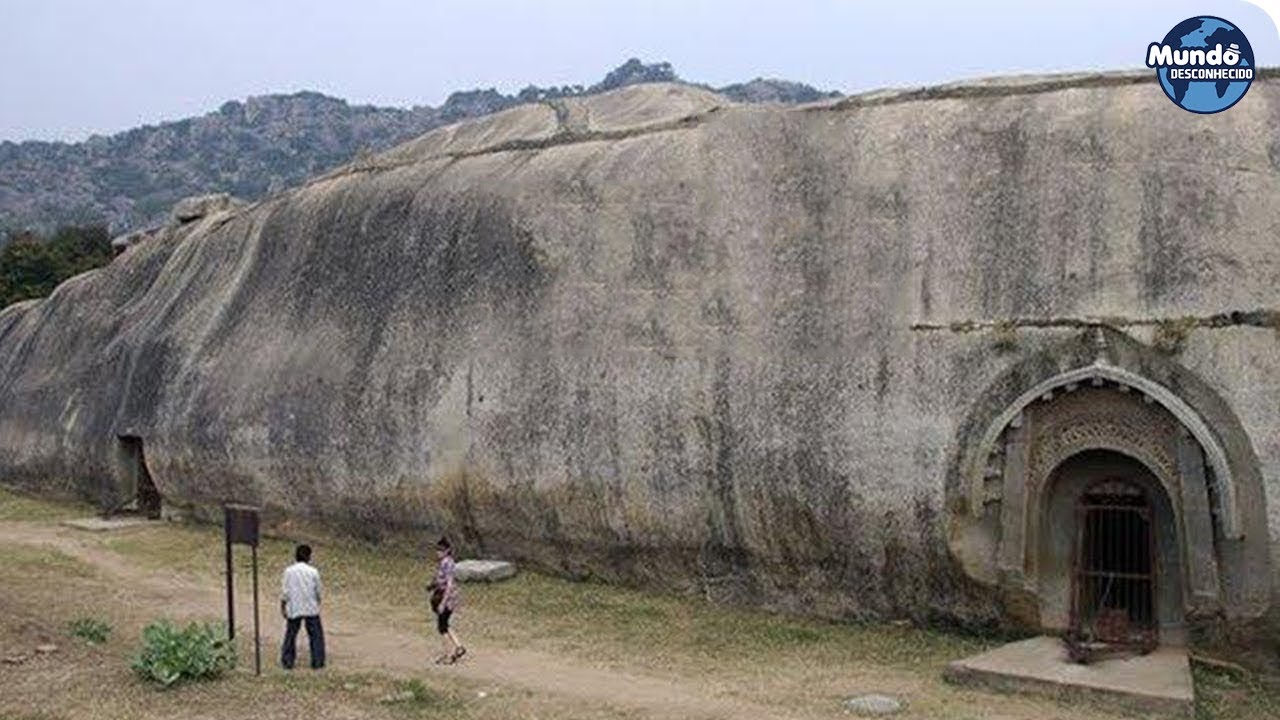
{"points": [[659, 337]]}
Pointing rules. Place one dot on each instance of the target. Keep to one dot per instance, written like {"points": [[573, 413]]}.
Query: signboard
{"points": [[240, 525]]}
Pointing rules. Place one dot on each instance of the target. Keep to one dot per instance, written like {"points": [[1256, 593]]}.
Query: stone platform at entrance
{"points": [[99, 524], [1158, 683]]}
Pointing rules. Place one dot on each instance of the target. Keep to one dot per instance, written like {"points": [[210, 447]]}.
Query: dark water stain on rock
{"points": [[1179, 218], [722, 559]]}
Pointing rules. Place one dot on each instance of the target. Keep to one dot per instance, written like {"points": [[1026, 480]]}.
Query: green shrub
{"points": [[1004, 336], [170, 655], [31, 265], [95, 632], [1171, 335]]}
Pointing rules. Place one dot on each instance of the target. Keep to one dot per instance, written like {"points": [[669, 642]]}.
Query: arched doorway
{"points": [[1023, 461], [1109, 560]]}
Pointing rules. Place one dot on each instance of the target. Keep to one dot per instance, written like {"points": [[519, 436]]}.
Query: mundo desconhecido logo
{"points": [[1205, 64]]}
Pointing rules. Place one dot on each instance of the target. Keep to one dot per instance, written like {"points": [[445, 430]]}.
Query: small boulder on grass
{"points": [[171, 655], [484, 570], [873, 705]]}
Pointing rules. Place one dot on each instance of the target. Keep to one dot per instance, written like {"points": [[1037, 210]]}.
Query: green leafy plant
{"points": [[1004, 336], [91, 630], [171, 655], [1171, 335]]}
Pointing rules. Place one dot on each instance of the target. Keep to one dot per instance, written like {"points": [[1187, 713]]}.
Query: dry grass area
{"points": [[1221, 695], [541, 647], [15, 506], [86, 681], [43, 590]]}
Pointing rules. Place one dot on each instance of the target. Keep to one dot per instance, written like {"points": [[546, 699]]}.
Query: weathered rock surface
{"points": [[198, 206], [484, 570], [657, 337], [120, 243]]}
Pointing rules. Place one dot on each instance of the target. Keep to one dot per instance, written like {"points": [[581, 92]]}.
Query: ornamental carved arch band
{"points": [[979, 470], [1143, 440]]}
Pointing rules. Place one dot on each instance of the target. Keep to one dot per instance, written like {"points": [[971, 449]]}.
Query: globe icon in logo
{"points": [[1205, 64]]}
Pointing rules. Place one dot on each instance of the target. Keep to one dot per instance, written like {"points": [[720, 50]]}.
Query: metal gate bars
{"points": [[1113, 598]]}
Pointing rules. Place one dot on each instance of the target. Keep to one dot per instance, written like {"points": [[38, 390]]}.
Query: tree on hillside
{"points": [[78, 249], [32, 266]]}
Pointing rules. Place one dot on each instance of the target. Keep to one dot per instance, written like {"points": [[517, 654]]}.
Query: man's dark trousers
{"points": [[315, 638]]}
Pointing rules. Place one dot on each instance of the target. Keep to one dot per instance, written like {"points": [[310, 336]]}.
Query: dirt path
{"points": [[396, 643]]}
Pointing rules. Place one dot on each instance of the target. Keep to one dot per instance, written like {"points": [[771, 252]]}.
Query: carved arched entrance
{"points": [[1064, 443], [1048, 428]]}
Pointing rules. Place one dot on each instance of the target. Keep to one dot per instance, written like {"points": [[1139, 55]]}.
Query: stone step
{"points": [[1158, 683]]}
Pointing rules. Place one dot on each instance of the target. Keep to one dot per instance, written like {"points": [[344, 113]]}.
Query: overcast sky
{"points": [[69, 68]]}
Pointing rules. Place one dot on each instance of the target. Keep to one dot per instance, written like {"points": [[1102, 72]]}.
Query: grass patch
{"points": [[32, 560], [17, 506], [789, 635], [653, 625], [1224, 695], [412, 697], [396, 696], [91, 630]]}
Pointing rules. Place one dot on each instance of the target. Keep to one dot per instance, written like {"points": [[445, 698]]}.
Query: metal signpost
{"points": [[241, 526]]}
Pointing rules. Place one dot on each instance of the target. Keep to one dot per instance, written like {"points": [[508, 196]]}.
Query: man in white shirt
{"points": [[300, 604]]}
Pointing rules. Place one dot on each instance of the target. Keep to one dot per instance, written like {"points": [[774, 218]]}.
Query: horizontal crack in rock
{"points": [[1235, 318]]}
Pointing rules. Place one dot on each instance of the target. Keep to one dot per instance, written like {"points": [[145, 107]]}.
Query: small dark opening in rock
{"points": [[135, 467]]}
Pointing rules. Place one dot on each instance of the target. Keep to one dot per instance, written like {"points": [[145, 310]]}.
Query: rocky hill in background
{"points": [[256, 147]]}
